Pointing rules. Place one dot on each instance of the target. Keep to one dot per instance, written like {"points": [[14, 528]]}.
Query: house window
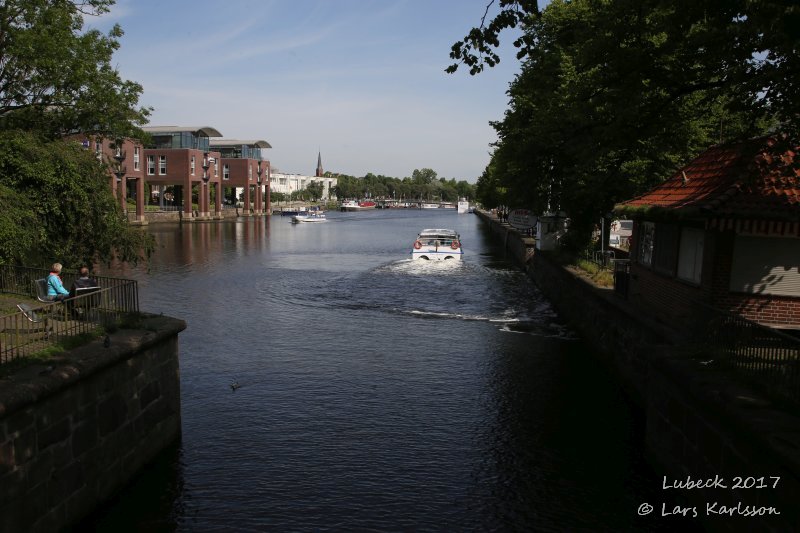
{"points": [[690, 255], [135, 158], [151, 165], [162, 165], [192, 165], [766, 265], [647, 230], [665, 251], [98, 149], [216, 168], [226, 171], [249, 172]]}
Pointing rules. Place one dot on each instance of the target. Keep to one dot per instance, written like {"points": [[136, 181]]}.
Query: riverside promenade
{"points": [[701, 422]]}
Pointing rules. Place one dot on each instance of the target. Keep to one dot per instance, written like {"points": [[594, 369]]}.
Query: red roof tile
{"points": [[744, 179]]}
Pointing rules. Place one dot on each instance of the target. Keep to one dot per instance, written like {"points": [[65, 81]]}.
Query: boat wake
{"points": [[440, 290]]}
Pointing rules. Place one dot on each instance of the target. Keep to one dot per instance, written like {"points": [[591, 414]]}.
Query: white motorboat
{"points": [[310, 216], [428, 206], [437, 245]]}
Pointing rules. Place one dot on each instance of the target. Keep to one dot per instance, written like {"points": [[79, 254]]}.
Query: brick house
{"points": [[723, 231], [181, 157], [244, 168]]}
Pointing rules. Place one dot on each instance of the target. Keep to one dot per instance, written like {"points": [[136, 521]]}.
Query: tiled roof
{"points": [[745, 179]]}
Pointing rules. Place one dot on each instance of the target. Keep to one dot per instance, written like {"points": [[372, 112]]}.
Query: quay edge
{"points": [[75, 432]]}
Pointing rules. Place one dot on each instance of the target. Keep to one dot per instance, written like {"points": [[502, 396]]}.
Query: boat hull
{"points": [[437, 255], [306, 219]]}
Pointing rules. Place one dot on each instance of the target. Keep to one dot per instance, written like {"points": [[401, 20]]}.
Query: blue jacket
{"points": [[54, 285]]}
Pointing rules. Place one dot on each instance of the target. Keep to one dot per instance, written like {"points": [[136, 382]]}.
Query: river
{"points": [[376, 393]]}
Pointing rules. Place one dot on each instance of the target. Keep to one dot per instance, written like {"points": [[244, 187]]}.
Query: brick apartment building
{"points": [[245, 172]]}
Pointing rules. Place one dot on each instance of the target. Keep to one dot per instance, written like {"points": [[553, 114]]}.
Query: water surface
{"points": [[376, 393]]}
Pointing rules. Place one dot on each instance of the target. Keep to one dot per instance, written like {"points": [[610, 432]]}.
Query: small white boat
{"points": [[310, 216], [437, 245], [428, 206]]}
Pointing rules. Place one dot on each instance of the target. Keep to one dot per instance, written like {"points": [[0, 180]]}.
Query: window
{"points": [[98, 149], [192, 165], [646, 243], [162, 165], [226, 171], [135, 158], [690, 255], [151, 165], [766, 265], [665, 250], [249, 172]]}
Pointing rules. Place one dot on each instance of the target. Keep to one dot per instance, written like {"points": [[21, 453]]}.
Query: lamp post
{"points": [[204, 191]]}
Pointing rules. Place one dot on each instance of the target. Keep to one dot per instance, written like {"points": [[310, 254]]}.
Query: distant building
{"points": [[289, 183], [319, 173]]}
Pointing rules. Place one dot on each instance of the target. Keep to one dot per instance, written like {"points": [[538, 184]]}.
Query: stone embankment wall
{"points": [[156, 217], [702, 422], [75, 432], [514, 242]]}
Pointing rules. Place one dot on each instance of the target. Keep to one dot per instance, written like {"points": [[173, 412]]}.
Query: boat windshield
{"points": [[431, 236]]}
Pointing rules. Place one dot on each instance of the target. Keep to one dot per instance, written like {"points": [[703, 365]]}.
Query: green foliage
{"points": [[315, 189], [613, 96], [600, 276], [19, 229], [477, 49], [422, 185], [58, 79], [743, 53], [57, 206]]}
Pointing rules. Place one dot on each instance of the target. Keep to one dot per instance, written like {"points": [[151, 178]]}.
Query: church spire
{"points": [[319, 165]]}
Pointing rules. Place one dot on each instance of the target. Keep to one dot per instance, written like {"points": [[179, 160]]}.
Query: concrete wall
{"points": [[75, 432], [514, 241], [701, 420]]}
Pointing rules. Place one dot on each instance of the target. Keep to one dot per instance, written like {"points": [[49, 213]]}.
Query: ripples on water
{"points": [[376, 393]]}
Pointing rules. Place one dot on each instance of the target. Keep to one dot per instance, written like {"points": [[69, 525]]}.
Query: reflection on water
{"points": [[376, 393]]}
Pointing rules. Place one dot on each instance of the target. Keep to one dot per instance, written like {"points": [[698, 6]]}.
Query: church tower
{"points": [[319, 165]]}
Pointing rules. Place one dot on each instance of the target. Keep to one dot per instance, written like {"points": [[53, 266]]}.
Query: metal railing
{"points": [[766, 356], [19, 280], [36, 327]]}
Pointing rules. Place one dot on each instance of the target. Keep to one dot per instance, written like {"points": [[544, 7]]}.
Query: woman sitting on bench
{"points": [[55, 289]]}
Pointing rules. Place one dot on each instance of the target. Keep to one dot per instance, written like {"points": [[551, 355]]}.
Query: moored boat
{"points": [[353, 205], [437, 245]]}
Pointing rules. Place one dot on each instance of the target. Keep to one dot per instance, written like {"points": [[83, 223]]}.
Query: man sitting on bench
{"points": [[81, 286], [82, 282]]}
